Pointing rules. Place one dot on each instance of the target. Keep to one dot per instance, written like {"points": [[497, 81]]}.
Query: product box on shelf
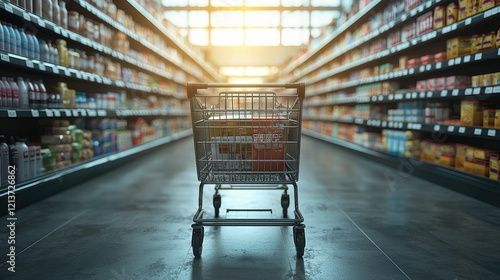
{"points": [[453, 82], [426, 59], [460, 156], [408, 32], [431, 84], [439, 56], [440, 83], [425, 23], [413, 62], [422, 85], [494, 166], [458, 46], [451, 13], [471, 113], [463, 9], [489, 41], [497, 119], [439, 17], [489, 118]]}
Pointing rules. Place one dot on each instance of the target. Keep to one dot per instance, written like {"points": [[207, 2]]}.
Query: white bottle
{"points": [[47, 9], [23, 93], [23, 161], [32, 161], [29, 6], [4, 161], [56, 13], [38, 161], [37, 7], [63, 14]]}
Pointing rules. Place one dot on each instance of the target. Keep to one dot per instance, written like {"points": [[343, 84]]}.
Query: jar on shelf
{"points": [[63, 52], [74, 21]]}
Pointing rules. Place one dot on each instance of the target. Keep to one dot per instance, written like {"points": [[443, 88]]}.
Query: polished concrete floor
{"points": [[134, 223]]}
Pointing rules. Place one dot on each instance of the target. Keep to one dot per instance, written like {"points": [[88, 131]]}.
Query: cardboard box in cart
{"points": [[268, 152]]}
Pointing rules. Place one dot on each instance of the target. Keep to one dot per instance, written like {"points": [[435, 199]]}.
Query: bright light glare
{"points": [[262, 37], [262, 18], [227, 37]]}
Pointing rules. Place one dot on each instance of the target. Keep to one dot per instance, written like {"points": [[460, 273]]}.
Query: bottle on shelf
{"points": [[47, 9], [6, 37], [3, 94], [15, 93], [31, 94], [30, 44], [12, 39], [4, 161], [23, 161], [17, 40], [29, 6], [23, 93], [54, 54], [13, 155], [24, 43], [43, 95], [37, 7], [63, 14], [1, 38], [56, 15], [44, 51], [8, 93], [36, 90], [21, 3]]}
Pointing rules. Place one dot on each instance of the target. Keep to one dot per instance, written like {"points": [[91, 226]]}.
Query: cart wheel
{"points": [[299, 238], [285, 202], [217, 203], [197, 241]]}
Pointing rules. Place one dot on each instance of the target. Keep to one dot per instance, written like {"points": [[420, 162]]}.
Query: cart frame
{"points": [[274, 167]]}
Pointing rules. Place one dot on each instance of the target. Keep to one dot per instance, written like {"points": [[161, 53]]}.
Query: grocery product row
{"points": [[468, 112], [440, 20], [61, 143], [23, 93], [110, 35], [417, 146]]}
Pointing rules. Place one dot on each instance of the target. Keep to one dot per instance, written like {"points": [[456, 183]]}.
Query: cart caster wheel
{"points": [[197, 241], [299, 238], [217, 203], [285, 202]]}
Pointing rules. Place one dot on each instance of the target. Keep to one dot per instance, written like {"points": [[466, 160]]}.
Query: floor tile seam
{"points": [[50, 233], [373, 242]]}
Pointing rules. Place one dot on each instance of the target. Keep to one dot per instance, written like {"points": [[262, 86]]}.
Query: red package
{"points": [[268, 155]]}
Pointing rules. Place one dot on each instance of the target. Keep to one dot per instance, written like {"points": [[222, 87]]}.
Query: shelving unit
{"points": [[186, 65], [327, 70]]}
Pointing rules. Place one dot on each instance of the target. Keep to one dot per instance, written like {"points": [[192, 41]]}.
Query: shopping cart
{"points": [[247, 139]]}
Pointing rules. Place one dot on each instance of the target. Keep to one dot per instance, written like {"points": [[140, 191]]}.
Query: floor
{"points": [[134, 223]]}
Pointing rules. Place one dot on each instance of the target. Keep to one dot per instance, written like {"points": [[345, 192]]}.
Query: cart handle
{"points": [[193, 87]]}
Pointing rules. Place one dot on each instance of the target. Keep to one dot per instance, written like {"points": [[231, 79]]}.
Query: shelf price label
{"points": [[478, 131], [412, 70], [101, 113], [29, 64], [466, 58], [417, 126], [444, 93], [83, 112], [458, 60], [439, 65], [454, 26], [374, 98], [468, 21], [422, 94], [492, 132], [422, 68], [41, 66], [91, 113], [437, 127], [67, 112], [391, 97], [428, 67], [496, 89], [414, 95], [478, 56], [12, 113], [35, 113], [429, 94], [5, 57], [49, 113], [57, 30], [451, 62], [468, 91], [477, 91], [461, 129], [57, 113], [26, 16], [41, 22], [384, 123], [498, 52], [8, 8], [55, 70], [488, 90], [408, 95], [455, 92], [428, 4], [75, 112], [451, 128], [446, 29]]}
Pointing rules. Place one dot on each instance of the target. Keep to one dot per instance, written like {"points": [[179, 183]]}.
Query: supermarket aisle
{"points": [[134, 223]]}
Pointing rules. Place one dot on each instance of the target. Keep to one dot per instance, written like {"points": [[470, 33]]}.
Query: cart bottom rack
{"points": [[247, 139]]}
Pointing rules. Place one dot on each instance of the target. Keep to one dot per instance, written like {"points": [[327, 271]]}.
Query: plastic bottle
{"points": [[12, 39], [3, 95], [8, 93], [1, 38], [23, 93], [6, 37], [56, 12], [15, 93], [22, 3], [63, 14], [55, 55], [38, 160], [32, 48], [36, 46], [44, 51], [24, 43], [37, 7], [31, 94], [47, 9], [23, 161], [37, 94], [32, 162], [17, 41], [29, 6], [13, 154], [4, 161], [43, 95]]}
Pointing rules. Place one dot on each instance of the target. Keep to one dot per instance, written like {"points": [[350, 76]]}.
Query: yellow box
{"points": [[481, 167], [463, 9], [471, 113], [495, 79], [483, 154], [457, 47], [476, 80], [486, 4], [475, 43], [459, 162], [497, 119], [489, 41], [447, 161], [451, 13], [489, 118], [472, 7], [439, 17], [494, 176], [494, 163], [469, 166]]}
